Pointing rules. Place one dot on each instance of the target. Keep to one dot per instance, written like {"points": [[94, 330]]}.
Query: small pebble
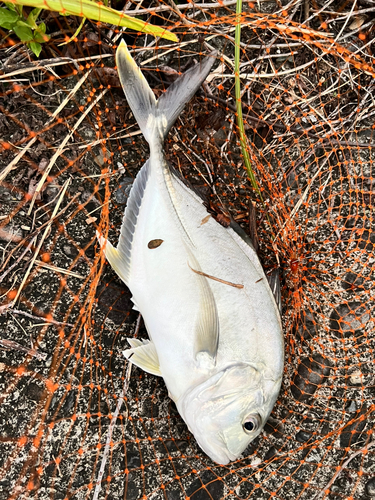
{"points": [[310, 375], [68, 250], [303, 436], [349, 319], [255, 461], [5, 194], [123, 191], [352, 407], [356, 378], [370, 487], [120, 167], [352, 433]]}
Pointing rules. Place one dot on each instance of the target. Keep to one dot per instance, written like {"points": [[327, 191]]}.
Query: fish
{"points": [[214, 326]]}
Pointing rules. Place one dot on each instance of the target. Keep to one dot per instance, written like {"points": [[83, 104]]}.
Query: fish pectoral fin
{"points": [[143, 354], [113, 256], [207, 329]]}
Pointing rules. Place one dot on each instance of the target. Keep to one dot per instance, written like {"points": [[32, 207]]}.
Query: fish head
{"points": [[227, 411]]}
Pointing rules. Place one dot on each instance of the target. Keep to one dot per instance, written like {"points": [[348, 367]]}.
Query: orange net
{"points": [[77, 421]]}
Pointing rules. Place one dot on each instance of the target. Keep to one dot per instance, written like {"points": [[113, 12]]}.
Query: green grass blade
{"points": [[76, 32], [241, 128], [98, 12]]}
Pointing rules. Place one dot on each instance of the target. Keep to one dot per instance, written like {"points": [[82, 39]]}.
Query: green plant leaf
{"points": [[98, 12], [40, 37], [10, 6], [41, 27], [75, 34], [7, 26], [23, 33], [35, 47], [36, 12], [8, 17], [32, 17], [22, 23], [30, 21], [237, 80]]}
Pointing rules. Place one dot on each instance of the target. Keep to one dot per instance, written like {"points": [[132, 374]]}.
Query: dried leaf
{"points": [[9, 236], [205, 219], [357, 22], [90, 220]]}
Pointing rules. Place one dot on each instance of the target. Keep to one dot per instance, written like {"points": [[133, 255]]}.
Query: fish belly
{"points": [[165, 289]]}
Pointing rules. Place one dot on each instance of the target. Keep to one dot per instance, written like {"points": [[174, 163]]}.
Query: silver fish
{"points": [[213, 323]]}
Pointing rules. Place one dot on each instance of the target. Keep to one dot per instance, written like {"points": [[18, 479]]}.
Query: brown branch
{"points": [[201, 273]]}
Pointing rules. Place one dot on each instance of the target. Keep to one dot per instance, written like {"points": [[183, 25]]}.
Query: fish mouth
{"points": [[218, 455]]}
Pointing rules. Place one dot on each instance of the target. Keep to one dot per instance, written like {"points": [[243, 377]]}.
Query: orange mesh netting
{"points": [[76, 421]]}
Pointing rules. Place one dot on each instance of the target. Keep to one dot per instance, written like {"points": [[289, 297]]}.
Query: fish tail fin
{"points": [[156, 117]]}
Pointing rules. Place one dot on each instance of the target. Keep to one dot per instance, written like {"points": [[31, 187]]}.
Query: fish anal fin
{"points": [[120, 257], [143, 354], [113, 256]]}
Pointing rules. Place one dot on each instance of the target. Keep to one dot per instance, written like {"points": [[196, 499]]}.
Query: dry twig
{"points": [[120, 401], [67, 99], [44, 235]]}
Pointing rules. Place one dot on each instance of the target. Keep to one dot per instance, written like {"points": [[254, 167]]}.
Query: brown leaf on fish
{"points": [[154, 243]]}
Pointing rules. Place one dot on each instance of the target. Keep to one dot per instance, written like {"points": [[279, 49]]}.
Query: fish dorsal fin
{"points": [[248, 249], [143, 354], [206, 339], [274, 282], [149, 112], [120, 257], [241, 233]]}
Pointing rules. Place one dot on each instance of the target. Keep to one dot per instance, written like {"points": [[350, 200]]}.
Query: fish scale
{"points": [[214, 327]]}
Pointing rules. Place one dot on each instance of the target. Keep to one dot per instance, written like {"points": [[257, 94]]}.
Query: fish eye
{"points": [[251, 423]]}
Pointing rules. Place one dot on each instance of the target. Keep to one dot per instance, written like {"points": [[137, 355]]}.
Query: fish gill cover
{"points": [[76, 420]]}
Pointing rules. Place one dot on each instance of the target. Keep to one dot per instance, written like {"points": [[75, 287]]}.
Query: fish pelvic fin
{"points": [[156, 117], [143, 354]]}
